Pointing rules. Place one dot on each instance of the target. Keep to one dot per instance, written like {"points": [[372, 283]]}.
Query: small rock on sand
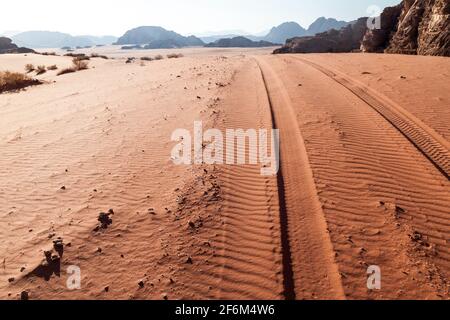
{"points": [[24, 295]]}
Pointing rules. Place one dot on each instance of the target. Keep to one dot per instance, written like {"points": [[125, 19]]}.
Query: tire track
{"points": [[372, 203], [288, 273], [310, 270], [429, 143]]}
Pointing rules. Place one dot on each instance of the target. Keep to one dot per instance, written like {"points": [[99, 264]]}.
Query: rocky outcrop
{"points": [[6, 43], [413, 27], [157, 37], [345, 40], [7, 46], [284, 31], [323, 24], [239, 42], [377, 39]]}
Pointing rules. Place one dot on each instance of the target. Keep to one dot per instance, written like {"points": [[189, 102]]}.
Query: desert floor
{"points": [[363, 180]]}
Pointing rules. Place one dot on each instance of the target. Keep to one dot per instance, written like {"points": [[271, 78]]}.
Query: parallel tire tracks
{"points": [[309, 267], [434, 147]]}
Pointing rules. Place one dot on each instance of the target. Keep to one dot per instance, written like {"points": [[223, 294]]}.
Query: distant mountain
{"points": [[157, 37], [103, 40], [48, 39], [239, 42], [282, 32], [285, 31], [323, 24], [7, 46], [347, 39], [174, 43], [213, 38]]}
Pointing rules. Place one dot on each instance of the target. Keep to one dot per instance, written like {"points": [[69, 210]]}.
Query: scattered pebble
{"points": [[24, 295], [58, 244], [104, 219]]}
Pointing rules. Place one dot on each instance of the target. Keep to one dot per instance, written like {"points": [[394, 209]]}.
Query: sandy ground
{"points": [[364, 178]]}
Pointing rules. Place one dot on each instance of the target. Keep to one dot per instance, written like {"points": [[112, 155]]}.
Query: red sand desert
{"points": [[363, 180]]}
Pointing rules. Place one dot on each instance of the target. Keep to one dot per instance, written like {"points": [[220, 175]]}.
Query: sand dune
{"points": [[364, 156]]}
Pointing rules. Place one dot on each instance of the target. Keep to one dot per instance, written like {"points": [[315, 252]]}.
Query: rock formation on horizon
{"points": [[285, 31], [157, 37], [345, 40], [239, 42], [50, 39], [323, 24], [412, 27], [7, 46]]}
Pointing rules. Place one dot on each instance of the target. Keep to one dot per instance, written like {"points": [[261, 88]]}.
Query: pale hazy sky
{"points": [[114, 17]]}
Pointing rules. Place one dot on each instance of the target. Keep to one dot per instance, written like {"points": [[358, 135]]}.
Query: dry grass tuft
{"points": [[65, 71], [79, 56], [53, 67], [96, 55], [41, 70], [174, 55], [159, 57], [77, 66], [80, 64], [29, 68], [12, 81], [147, 59]]}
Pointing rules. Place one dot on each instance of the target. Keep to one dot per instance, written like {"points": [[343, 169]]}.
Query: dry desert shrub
{"points": [[80, 64], [147, 59], [65, 71], [48, 53], [77, 66], [158, 57], [29, 68], [41, 70], [10, 81], [96, 55], [53, 67], [79, 56], [174, 55]]}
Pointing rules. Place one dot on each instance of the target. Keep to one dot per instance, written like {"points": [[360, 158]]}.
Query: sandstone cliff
{"points": [[7, 46], [413, 27], [345, 40]]}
